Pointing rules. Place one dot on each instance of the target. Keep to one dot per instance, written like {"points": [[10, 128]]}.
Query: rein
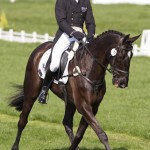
{"points": [[111, 70], [100, 64], [95, 85]]}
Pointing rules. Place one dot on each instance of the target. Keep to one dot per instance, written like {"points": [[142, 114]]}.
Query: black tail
{"points": [[17, 100]]}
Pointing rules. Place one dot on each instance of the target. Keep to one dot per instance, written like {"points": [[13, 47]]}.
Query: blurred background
{"points": [[123, 114]]}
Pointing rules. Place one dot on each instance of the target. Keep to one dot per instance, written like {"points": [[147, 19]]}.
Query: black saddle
{"points": [[63, 61]]}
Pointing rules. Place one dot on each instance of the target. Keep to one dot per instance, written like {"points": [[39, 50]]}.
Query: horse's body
{"points": [[83, 92]]}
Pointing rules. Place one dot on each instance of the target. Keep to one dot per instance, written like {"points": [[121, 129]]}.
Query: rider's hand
{"points": [[90, 39], [78, 35]]}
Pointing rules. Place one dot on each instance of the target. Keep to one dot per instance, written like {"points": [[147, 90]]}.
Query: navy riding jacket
{"points": [[70, 13]]}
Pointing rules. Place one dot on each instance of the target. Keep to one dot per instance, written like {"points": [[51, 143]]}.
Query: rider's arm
{"points": [[61, 16], [89, 21]]}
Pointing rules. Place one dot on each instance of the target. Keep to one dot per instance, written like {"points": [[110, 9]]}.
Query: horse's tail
{"points": [[18, 99]]}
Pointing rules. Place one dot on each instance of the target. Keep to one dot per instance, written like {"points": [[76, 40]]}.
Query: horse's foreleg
{"points": [[80, 132], [68, 120], [79, 135], [88, 113]]}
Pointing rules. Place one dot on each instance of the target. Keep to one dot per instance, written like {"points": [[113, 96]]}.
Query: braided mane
{"points": [[110, 32]]}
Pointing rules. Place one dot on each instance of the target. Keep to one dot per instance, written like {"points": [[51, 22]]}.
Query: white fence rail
{"points": [[143, 50], [139, 2], [24, 37]]}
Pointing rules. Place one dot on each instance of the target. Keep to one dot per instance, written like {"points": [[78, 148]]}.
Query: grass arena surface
{"points": [[123, 114]]}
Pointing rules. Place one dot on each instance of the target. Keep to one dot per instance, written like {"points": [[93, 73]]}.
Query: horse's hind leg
{"points": [[68, 120], [28, 103], [31, 91]]}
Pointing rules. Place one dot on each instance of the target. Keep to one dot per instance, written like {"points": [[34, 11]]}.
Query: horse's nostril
{"points": [[121, 83]]}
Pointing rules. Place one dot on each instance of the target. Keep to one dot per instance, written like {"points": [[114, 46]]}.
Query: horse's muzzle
{"points": [[120, 82]]}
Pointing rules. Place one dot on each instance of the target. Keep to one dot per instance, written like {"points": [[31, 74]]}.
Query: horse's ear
{"points": [[134, 38], [126, 38]]}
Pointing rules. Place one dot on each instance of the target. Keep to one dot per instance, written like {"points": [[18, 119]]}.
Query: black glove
{"points": [[90, 39], [78, 35]]}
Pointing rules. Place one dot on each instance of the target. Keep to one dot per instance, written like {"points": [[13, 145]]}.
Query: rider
{"points": [[70, 16]]}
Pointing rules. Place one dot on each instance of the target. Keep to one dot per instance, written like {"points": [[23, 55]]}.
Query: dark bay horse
{"points": [[83, 92]]}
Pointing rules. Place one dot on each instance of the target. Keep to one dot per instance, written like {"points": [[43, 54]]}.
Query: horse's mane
{"points": [[106, 33], [99, 37]]}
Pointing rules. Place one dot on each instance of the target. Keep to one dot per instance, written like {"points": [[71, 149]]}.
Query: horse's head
{"points": [[120, 61]]}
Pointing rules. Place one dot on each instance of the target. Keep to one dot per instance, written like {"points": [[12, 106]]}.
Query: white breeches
{"points": [[61, 45]]}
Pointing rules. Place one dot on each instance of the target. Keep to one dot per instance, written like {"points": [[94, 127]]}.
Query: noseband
{"points": [[117, 71]]}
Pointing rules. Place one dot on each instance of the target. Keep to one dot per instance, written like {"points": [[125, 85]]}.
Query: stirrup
{"points": [[42, 97]]}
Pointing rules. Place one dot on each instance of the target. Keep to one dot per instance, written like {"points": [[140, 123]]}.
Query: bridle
{"points": [[117, 71], [112, 70], [97, 61]]}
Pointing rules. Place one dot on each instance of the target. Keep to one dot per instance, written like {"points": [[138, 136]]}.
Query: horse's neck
{"points": [[101, 50]]}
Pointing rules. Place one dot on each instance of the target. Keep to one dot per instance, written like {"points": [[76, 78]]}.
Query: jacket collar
{"points": [[77, 6]]}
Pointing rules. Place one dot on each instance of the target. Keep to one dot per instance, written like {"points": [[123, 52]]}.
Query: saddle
{"points": [[62, 73]]}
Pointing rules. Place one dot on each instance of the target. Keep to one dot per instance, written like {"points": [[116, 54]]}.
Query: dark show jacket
{"points": [[70, 13]]}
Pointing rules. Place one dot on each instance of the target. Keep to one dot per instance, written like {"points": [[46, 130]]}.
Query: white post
{"points": [[148, 44], [34, 37], [0, 33], [46, 37], [145, 43], [11, 35], [23, 36]]}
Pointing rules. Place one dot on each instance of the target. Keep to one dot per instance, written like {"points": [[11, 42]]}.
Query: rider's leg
{"points": [[61, 45], [49, 77]]}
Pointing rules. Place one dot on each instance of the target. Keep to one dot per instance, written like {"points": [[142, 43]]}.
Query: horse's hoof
{"points": [[77, 148], [15, 148]]}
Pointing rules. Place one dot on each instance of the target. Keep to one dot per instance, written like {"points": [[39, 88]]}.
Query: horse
{"points": [[83, 92]]}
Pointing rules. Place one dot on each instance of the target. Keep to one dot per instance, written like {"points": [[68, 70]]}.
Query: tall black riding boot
{"points": [[49, 77]]}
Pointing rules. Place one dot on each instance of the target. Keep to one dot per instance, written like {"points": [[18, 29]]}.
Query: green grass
{"points": [[123, 114], [51, 136]]}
